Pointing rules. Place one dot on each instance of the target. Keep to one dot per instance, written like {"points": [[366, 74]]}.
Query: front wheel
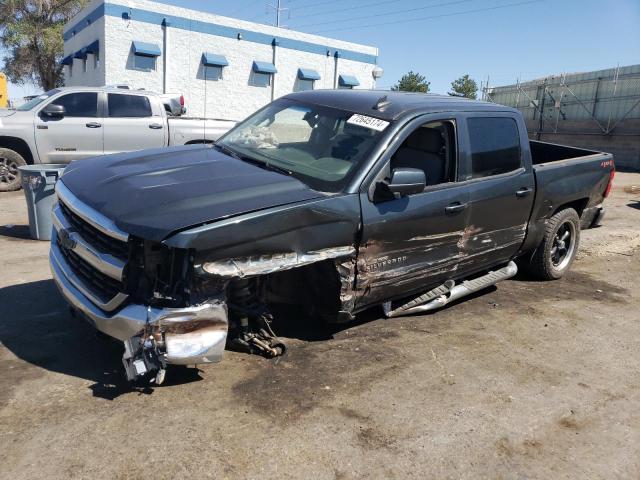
{"points": [[9, 173], [556, 252]]}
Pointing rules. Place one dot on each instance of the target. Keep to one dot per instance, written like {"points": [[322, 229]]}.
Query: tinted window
{"points": [[83, 104], [495, 146], [128, 106], [142, 62]]}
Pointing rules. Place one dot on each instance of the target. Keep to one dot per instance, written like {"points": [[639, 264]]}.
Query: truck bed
{"points": [[566, 176], [544, 152]]}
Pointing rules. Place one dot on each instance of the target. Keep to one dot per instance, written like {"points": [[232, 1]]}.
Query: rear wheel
{"points": [[557, 250], [9, 173]]}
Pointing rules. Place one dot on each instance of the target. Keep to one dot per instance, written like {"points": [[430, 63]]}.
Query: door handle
{"points": [[155, 126], [523, 192], [455, 207], [93, 125]]}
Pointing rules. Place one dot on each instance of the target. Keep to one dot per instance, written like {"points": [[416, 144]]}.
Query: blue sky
{"points": [[529, 40]]}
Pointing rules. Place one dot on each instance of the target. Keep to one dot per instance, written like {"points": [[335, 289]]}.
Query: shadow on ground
{"points": [[17, 232]]}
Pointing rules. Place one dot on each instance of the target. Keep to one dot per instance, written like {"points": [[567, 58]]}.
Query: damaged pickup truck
{"points": [[334, 201]]}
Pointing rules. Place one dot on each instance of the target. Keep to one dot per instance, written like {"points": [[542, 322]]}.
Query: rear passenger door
{"points": [[501, 189], [132, 122]]}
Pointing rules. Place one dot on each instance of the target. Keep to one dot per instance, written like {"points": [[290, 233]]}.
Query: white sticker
{"points": [[368, 122]]}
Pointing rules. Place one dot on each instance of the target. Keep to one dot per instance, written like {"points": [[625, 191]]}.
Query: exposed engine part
{"points": [[250, 328], [447, 293], [143, 357]]}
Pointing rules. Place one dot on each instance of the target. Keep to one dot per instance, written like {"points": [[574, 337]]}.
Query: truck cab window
{"points": [[431, 148], [495, 146], [128, 106], [82, 104]]}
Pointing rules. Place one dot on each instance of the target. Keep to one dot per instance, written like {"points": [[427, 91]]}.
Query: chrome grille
{"points": [[94, 250], [94, 236]]}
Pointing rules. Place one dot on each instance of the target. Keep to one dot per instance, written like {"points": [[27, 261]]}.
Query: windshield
{"points": [[37, 100], [320, 146]]}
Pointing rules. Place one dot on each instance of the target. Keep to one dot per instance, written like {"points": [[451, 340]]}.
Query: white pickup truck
{"points": [[66, 124]]}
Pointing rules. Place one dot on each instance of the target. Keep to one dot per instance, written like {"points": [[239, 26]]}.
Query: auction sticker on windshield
{"points": [[368, 122]]}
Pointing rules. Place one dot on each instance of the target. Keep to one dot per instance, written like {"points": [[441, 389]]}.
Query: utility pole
{"points": [[278, 9]]}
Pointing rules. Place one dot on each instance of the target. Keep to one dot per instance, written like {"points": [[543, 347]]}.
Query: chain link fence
{"points": [[582, 106]]}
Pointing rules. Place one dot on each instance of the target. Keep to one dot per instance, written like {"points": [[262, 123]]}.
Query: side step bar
{"points": [[448, 292]]}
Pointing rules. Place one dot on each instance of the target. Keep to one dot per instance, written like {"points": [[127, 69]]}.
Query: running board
{"points": [[448, 292]]}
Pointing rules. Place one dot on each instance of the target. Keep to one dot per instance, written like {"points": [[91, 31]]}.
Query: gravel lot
{"points": [[526, 380]]}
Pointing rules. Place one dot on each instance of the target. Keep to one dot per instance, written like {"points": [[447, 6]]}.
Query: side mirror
{"points": [[407, 181], [54, 111]]}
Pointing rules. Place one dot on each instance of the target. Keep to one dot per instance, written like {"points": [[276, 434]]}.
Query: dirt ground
{"points": [[526, 380]]}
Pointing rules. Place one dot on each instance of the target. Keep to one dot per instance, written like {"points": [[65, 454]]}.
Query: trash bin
{"points": [[38, 183]]}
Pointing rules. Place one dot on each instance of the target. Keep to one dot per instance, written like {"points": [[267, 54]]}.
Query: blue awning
{"points": [[348, 81], [81, 54], [213, 60], [264, 67], [146, 49], [308, 74], [68, 60], [93, 48]]}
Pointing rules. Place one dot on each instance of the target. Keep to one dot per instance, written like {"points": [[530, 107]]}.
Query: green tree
{"points": [[464, 87], [412, 82], [31, 35]]}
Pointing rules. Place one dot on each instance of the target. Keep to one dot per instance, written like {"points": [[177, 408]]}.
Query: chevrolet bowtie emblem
{"points": [[65, 240]]}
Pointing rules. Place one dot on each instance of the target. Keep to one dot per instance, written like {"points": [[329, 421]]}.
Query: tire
{"points": [[555, 254], [9, 173]]}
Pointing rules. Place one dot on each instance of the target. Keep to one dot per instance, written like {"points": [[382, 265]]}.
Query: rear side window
{"points": [[131, 106], [82, 104], [495, 146]]}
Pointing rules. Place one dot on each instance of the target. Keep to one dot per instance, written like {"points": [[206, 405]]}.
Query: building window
{"points": [[347, 82], [212, 72], [261, 79], [262, 73], [142, 62], [96, 61], [70, 70], [84, 65], [304, 85], [306, 79], [144, 55], [212, 65]]}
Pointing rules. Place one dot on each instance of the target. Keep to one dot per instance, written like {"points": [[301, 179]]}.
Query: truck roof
{"points": [[108, 88], [395, 105]]}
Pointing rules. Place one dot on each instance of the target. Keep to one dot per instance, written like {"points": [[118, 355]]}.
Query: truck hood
{"points": [[4, 112], [154, 193]]}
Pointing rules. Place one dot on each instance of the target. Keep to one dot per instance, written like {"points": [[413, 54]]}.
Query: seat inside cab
{"points": [[430, 148]]}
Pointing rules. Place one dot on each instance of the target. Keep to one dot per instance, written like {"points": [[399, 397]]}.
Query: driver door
{"points": [[74, 135], [411, 243]]}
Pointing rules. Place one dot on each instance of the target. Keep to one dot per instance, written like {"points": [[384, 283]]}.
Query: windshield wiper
{"points": [[227, 150], [253, 161]]}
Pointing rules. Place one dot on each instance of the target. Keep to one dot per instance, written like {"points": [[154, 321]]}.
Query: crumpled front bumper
{"points": [[193, 335]]}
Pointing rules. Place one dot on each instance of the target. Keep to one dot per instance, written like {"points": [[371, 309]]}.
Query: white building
{"points": [[226, 68]]}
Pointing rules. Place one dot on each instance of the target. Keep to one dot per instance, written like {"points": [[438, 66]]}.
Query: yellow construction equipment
{"points": [[4, 98]]}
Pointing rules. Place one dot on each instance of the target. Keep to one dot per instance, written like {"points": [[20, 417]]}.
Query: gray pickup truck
{"points": [[68, 124], [326, 202]]}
